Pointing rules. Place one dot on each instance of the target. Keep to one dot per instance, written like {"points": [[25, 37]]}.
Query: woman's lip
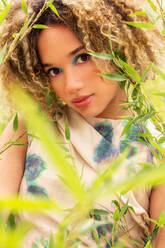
{"points": [[82, 101]]}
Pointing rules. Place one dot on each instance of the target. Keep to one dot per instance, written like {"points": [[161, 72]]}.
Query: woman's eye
{"points": [[54, 71], [82, 58]]}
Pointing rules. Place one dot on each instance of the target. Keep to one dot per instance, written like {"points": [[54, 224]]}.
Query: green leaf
{"points": [[51, 241], [153, 6], [51, 6], [146, 72], [4, 2], [123, 211], [141, 25], [53, 95], [163, 31], [161, 220], [2, 53], [99, 212], [138, 13], [48, 98], [5, 12], [160, 72], [123, 84], [21, 32], [129, 124], [132, 209], [40, 26], [159, 94], [24, 6], [135, 92], [15, 123], [67, 130], [131, 72], [116, 203], [116, 215], [17, 204], [113, 76], [155, 231], [161, 140], [102, 56], [158, 147], [11, 224]]}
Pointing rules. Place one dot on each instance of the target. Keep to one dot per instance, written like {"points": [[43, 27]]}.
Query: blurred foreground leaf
{"points": [[47, 134]]}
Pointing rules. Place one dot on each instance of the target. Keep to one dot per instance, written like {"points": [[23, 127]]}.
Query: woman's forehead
{"points": [[57, 41]]}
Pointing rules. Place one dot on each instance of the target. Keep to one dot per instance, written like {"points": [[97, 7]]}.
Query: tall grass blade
{"points": [[5, 12]]}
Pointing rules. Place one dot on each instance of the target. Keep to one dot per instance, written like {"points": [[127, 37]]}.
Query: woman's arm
{"points": [[12, 160], [157, 205]]}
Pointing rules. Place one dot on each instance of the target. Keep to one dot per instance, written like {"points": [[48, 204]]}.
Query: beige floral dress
{"points": [[94, 144]]}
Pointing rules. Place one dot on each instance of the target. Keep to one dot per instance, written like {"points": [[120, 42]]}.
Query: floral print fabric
{"points": [[93, 142]]}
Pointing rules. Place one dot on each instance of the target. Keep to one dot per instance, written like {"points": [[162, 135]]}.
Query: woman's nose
{"points": [[73, 81]]}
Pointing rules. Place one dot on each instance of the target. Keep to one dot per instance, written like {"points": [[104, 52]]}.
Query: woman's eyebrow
{"points": [[76, 50], [70, 54], [46, 65]]}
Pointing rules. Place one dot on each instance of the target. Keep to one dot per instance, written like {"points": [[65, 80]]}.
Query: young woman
{"points": [[57, 60]]}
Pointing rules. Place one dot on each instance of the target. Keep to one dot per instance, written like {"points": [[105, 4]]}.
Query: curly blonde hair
{"points": [[92, 21]]}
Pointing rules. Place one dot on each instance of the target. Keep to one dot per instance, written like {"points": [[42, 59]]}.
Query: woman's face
{"points": [[74, 76]]}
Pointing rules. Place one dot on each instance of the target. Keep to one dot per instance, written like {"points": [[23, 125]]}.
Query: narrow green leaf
{"points": [[141, 25], [153, 6], [129, 124], [11, 224], [116, 203], [161, 140], [5, 12], [15, 123], [24, 6], [113, 76], [123, 210], [50, 5], [116, 215], [146, 72], [160, 94], [123, 84], [136, 243], [17, 204], [161, 220], [135, 92], [160, 72], [100, 212], [131, 72], [138, 13], [132, 209], [102, 56], [40, 26], [18, 35], [158, 147], [4, 2], [48, 98], [2, 53], [163, 31], [51, 241], [67, 130], [155, 231], [158, 18]]}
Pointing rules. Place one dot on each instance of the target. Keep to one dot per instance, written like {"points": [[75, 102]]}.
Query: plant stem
{"points": [[19, 137]]}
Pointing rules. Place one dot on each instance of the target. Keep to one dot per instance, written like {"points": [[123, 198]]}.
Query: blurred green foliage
{"points": [[147, 98]]}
